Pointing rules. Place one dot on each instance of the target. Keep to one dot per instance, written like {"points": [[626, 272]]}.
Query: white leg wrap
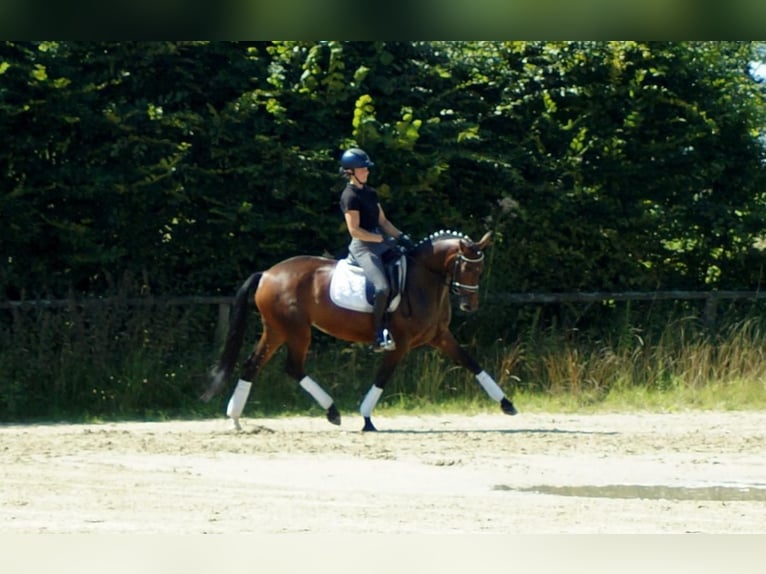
{"points": [[238, 399], [319, 394], [489, 384], [370, 400]]}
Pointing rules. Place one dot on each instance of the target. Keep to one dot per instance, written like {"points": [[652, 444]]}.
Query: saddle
{"points": [[350, 288]]}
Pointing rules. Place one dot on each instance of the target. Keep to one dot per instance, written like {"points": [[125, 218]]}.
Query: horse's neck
{"points": [[434, 261], [438, 257]]}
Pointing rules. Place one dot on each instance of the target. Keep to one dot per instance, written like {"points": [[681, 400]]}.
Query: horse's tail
{"points": [[220, 373]]}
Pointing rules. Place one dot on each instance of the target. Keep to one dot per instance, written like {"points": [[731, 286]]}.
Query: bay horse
{"points": [[294, 295]]}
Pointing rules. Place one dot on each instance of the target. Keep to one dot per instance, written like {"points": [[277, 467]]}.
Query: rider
{"points": [[372, 235]]}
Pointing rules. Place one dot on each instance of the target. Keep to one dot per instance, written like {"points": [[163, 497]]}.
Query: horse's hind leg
{"points": [[264, 350], [297, 347]]}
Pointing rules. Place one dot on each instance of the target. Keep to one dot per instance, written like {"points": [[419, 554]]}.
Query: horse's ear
{"points": [[484, 241]]}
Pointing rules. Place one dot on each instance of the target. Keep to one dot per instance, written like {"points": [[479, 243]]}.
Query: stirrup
{"points": [[384, 342]]}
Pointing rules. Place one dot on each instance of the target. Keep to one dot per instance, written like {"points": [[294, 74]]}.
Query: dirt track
{"points": [[533, 473]]}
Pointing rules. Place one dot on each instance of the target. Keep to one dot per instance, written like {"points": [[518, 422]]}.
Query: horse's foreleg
{"points": [[367, 406], [390, 361], [448, 345]]}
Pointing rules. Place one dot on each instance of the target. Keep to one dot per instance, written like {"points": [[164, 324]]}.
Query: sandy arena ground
{"points": [[490, 473]]}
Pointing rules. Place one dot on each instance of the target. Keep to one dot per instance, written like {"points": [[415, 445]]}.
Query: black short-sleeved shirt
{"points": [[365, 201]]}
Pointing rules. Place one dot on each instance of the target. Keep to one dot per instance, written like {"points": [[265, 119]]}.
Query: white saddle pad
{"points": [[347, 287]]}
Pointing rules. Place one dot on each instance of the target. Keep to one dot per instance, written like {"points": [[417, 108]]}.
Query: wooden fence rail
{"points": [[518, 298], [221, 328], [138, 301], [224, 303], [596, 296], [711, 298]]}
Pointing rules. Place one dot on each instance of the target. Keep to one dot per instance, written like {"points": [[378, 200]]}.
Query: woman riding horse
{"points": [[372, 235], [294, 295]]}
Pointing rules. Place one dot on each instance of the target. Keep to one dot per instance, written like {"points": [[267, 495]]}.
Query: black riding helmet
{"points": [[354, 158]]}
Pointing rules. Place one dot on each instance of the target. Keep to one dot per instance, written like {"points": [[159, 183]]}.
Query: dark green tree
{"points": [[185, 165]]}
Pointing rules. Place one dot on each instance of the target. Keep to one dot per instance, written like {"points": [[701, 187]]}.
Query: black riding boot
{"points": [[383, 340]]}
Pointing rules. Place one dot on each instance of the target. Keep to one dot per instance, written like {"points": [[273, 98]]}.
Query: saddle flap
{"points": [[350, 289]]}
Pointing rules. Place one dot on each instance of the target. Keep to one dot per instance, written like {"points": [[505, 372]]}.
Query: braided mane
{"points": [[442, 235]]}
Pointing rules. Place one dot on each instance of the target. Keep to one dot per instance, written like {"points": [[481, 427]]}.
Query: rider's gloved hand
{"points": [[390, 242], [405, 241]]}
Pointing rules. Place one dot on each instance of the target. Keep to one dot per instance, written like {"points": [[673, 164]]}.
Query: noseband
{"points": [[455, 285]]}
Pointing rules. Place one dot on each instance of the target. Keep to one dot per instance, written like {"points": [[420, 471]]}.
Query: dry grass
{"points": [[125, 362]]}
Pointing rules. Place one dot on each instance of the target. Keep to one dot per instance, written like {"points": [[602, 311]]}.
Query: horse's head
{"points": [[462, 261], [467, 267]]}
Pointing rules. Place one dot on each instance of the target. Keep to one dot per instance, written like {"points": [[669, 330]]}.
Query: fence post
{"points": [[711, 309], [222, 325]]}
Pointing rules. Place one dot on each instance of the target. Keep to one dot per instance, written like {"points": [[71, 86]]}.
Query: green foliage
{"points": [[187, 165], [625, 179], [600, 165]]}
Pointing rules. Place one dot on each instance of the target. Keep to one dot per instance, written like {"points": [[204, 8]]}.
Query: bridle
{"points": [[455, 285]]}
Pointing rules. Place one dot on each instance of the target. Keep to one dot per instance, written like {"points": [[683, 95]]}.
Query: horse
{"points": [[294, 295]]}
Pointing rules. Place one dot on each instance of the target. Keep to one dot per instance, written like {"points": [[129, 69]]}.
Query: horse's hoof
{"points": [[368, 426], [236, 425], [508, 407], [333, 415]]}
